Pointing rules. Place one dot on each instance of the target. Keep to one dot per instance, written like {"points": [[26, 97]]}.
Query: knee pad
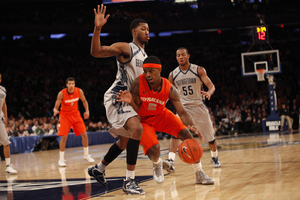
{"points": [[212, 142]]}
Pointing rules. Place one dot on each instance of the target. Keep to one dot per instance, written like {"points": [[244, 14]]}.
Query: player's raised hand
{"points": [[194, 128], [206, 94], [100, 18], [124, 96]]}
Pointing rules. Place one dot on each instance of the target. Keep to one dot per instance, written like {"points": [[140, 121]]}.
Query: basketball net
{"points": [[260, 74]]}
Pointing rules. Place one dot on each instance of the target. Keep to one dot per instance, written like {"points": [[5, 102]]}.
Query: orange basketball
{"points": [[190, 151]]}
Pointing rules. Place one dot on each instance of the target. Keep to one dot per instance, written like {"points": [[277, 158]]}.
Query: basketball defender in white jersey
{"points": [[125, 122], [3, 134], [189, 79]]}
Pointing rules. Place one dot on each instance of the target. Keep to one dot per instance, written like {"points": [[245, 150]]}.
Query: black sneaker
{"points": [[99, 176], [215, 161], [130, 186]]}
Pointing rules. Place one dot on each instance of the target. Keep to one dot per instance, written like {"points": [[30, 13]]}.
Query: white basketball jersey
{"points": [[2, 98], [130, 70], [189, 85]]}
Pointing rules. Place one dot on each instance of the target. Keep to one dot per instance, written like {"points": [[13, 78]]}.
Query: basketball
{"points": [[190, 151]]}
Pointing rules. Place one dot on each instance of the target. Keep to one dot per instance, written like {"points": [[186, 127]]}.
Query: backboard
{"points": [[254, 61]]}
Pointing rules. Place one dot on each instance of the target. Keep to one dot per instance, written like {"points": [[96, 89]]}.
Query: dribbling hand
{"points": [[194, 128], [100, 20]]}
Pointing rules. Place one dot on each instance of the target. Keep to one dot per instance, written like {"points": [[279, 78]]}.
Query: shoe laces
{"points": [[133, 184], [10, 165]]}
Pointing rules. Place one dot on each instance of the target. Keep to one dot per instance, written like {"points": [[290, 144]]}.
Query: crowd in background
{"points": [[34, 71]]}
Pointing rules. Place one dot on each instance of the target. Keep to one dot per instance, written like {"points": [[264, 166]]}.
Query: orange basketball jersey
{"points": [[69, 103], [153, 102]]}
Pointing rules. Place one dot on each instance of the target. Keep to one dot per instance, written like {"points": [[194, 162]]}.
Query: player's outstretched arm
{"points": [[99, 51], [57, 103]]}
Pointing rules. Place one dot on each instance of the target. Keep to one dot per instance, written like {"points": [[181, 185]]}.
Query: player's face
{"points": [[71, 85], [142, 33], [152, 74], [182, 57]]}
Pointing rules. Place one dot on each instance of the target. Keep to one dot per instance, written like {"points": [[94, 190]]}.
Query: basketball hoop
{"points": [[260, 74]]}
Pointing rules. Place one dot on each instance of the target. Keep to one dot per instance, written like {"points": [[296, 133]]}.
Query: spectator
{"points": [[284, 114]]}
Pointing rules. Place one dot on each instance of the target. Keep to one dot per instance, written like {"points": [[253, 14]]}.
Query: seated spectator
{"points": [[256, 125], [91, 127], [233, 127], [99, 126], [284, 113], [248, 123], [20, 130], [106, 127], [26, 131], [40, 130], [10, 131], [222, 129]]}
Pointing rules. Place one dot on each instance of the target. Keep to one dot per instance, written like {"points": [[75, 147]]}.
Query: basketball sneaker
{"points": [[130, 186], [215, 161], [10, 169], [158, 174], [61, 163], [168, 165], [99, 176], [89, 158], [202, 178]]}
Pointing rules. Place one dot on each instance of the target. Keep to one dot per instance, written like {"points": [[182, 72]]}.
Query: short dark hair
{"points": [[135, 23], [180, 48], [152, 59], [70, 79]]}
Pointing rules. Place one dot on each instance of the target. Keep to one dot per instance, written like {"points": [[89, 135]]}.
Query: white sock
{"points": [[172, 155], [101, 167], [214, 153], [159, 160], [7, 160], [130, 174], [197, 166], [86, 151], [62, 155]]}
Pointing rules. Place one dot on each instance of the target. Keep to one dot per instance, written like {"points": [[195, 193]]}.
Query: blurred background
{"points": [[43, 42]]}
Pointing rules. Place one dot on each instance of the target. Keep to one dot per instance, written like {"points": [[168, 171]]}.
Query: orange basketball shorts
{"points": [[165, 121], [67, 121]]}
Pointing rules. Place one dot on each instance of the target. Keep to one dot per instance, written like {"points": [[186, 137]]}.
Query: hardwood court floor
{"points": [[253, 167]]}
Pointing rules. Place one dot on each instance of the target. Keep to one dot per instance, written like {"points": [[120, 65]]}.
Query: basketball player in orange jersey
{"points": [[125, 122], [149, 95], [189, 78], [70, 117]]}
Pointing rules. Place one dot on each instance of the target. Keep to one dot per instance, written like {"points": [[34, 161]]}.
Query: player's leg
{"points": [[64, 127], [130, 185], [6, 149], [204, 124], [98, 171], [151, 148], [183, 133]]}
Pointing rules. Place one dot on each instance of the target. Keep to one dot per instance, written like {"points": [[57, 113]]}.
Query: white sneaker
{"points": [[61, 163], [89, 158], [10, 169], [158, 174], [202, 178]]}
